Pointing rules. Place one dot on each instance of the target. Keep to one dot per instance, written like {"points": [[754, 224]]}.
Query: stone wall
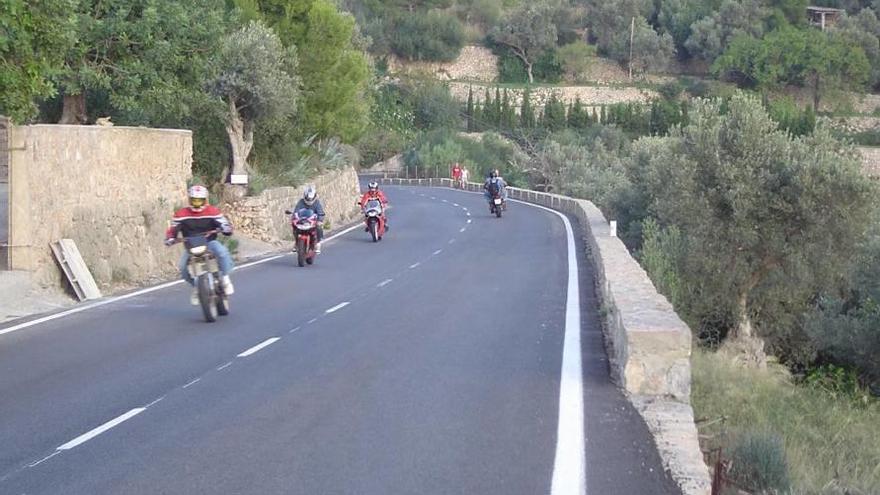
{"points": [[870, 160], [262, 216], [474, 63], [650, 346], [591, 96], [110, 189]]}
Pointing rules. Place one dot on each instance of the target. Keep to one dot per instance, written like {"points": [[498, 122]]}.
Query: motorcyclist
{"points": [[196, 219], [310, 200], [494, 181], [373, 192]]}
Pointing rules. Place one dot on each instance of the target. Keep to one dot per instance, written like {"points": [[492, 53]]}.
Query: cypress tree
{"points": [[497, 110], [469, 110], [488, 114], [526, 112], [477, 118]]}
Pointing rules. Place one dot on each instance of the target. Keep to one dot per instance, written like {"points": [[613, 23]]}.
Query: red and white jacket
{"points": [[188, 223]]}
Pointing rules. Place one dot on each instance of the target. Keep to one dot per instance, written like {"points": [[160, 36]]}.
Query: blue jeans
{"points": [[224, 259]]}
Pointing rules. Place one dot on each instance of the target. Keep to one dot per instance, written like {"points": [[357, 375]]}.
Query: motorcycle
{"points": [[374, 218], [497, 204], [305, 232], [205, 270]]}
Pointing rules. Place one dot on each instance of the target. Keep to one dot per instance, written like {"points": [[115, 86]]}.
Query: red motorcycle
{"points": [[305, 232], [374, 218]]}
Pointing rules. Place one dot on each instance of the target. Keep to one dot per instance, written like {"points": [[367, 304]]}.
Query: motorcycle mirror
{"points": [[288, 212]]}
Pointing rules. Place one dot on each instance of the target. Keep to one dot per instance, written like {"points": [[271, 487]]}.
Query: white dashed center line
{"points": [[337, 307], [85, 437], [311, 321], [437, 252], [257, 347], [414, 265], [295, 329], [384, 283], [451, 241], [462, 229]]}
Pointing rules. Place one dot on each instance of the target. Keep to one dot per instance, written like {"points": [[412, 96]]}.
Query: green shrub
{"points": [[434, 35], [546, 68], [511, 69], [433, 105], [758, 463]]}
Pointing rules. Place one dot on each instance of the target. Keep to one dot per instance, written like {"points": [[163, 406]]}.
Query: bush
{"points": [[546, 68], [433, 105], [577, 57], [435, 36], [790, 116], [511, 69], [758, 462]]}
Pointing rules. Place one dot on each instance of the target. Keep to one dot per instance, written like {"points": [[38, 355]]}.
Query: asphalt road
{"points": [[427, 363]]}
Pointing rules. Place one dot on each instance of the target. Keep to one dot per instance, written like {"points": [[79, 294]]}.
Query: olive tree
{"points": [[527, 31], [255, 77]]}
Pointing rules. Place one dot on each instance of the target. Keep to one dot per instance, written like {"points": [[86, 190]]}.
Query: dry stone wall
{"points": [[262, 216], [110, 189], [590, 96], [475, 63]]}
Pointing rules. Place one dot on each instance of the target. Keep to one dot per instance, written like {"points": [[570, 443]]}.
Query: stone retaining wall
{"points": [[262, 216], [591, 96], [650, 346], [110, 189]]}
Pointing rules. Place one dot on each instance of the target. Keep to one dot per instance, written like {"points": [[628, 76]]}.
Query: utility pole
{"points": [[632, 28]]}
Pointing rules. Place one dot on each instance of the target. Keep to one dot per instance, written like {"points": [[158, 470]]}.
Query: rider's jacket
{"points": [[188, 223], [498, 181], [317, 207], [373, 195]]}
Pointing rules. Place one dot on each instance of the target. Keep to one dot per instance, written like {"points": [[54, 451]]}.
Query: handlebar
{"points": [[208, 233]]}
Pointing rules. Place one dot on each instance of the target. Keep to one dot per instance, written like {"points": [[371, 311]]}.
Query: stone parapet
{"points": [[110, 189], [262, 216], [650, 346]]}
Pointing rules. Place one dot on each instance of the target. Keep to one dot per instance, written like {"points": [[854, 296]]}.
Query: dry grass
{"points": [[832, 445]]}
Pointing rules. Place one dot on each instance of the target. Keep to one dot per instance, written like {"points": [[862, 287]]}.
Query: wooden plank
{"points": [[75, 269]]}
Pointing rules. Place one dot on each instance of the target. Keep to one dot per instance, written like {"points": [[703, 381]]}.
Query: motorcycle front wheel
{"points": [[300, 252], [206, 297], [374, 230]]}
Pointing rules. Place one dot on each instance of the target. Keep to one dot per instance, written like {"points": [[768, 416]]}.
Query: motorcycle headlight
{"points": [[372, 213], [198, 250]]}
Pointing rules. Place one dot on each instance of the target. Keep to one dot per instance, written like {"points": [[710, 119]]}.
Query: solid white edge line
{"points": [[85, 437], [337, 307], [259, 346], [384, 282], [104, 302], [44, 459]]}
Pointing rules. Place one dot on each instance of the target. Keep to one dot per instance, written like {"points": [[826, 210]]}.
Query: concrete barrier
{"points": [[649, 345]]}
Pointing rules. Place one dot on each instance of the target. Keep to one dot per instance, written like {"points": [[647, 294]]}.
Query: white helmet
{"points": [[310, 195], [198, 197]]}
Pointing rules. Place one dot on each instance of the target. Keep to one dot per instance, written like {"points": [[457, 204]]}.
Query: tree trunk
{"points": [[74, 109], [529, 69], [816, 89], [241, 139], [743, 327]]}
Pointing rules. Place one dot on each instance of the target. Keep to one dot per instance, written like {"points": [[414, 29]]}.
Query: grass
{"points": [[832, 446]]}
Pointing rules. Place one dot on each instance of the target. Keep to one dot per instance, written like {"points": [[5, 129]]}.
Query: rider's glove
{"points": [[169, 241]]}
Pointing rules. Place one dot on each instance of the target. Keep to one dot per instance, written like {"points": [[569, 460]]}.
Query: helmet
{"points": [[310, 195], [373, 185], [493, 174], [198, 197]]}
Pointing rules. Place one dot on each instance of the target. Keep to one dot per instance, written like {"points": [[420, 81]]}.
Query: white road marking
{"points": [[455, 204], [469, 220], [154, 402], [384, 282], [414, 265], [444, 200], [468, 213], [337, 307], [437, 252], [432, 197], [295, 329], [256, 348], [44, 459], [311, 321], [85, 437], [221, 368], [197, 380], [451, 241], [462, 229], [141, 292]]}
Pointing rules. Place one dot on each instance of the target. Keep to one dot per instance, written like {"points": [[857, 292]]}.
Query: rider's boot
{"points": [[317, 248], [194, 296], [228, 289]]}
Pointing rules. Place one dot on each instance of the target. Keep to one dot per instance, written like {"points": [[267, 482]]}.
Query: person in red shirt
{"points": [[456, 174], [373, 192]]}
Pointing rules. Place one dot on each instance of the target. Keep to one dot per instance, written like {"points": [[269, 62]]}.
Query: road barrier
{"points": [[650, 346]]}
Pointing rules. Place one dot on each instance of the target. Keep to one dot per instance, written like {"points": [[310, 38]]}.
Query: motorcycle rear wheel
{"points": [[498, 211], [206, 297]]}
